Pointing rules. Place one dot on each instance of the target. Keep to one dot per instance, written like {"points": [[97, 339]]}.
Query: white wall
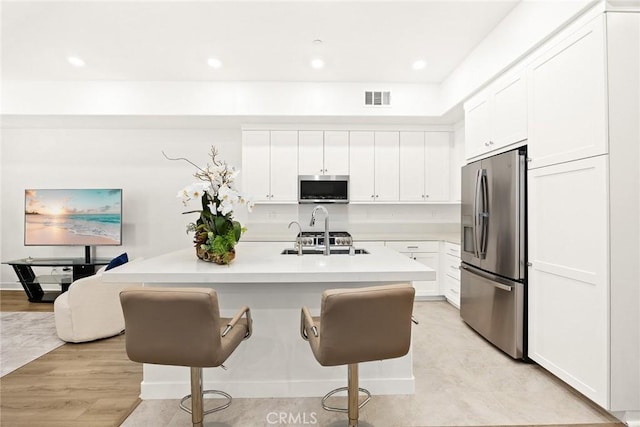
{"points": [[130, 159]]}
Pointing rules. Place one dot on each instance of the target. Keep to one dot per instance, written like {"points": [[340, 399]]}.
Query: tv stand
{"points": [[32, 284]]}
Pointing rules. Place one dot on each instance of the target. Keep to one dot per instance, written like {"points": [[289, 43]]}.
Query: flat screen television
{"points": [[73, 217]]}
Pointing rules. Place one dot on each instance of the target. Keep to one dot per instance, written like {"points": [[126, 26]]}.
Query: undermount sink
{"points": [[319, 251]]}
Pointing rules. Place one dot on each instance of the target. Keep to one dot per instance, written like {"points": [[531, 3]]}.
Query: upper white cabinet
{"points": [[323, 152], [497, 116], [424, 166], [336, 152], [374, 166], [567, 102], [270, 165]]}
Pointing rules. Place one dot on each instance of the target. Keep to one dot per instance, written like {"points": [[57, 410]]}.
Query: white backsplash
{"points": [[272, 220]]}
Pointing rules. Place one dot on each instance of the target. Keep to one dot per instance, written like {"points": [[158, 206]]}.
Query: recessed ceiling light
{"points": [[419, 64], [317, 63], [214, 63], [75, 61]]}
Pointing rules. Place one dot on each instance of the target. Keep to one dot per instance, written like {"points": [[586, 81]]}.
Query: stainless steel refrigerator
{"points": [[493, 268]]}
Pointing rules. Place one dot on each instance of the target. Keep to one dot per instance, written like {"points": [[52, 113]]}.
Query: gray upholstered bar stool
{"points": [[359, 325], [183, 327]]}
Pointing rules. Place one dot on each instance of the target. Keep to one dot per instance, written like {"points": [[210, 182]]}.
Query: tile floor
{"points": [[460, 380]]}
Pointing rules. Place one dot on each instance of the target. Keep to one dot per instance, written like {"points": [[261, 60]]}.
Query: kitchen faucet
{"points": [[327, 251], [298, 245]]}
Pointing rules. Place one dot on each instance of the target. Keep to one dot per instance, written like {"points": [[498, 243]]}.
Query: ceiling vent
{"points": [[377, 98]]}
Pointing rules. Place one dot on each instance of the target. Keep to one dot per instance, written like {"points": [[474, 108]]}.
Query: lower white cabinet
{"points": [[427, 253], [451, 273]]}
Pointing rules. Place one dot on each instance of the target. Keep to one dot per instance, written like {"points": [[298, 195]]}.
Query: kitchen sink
{"points": [[319, 251]]}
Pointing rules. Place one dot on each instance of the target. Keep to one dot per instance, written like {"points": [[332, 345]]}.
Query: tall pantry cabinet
{"points": [[584, 210]]}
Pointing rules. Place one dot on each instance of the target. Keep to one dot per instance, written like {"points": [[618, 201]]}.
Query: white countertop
{"points": [[262, 262]]}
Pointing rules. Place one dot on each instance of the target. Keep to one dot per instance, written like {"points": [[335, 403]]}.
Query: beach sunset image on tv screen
{"points": [[73, 217]]}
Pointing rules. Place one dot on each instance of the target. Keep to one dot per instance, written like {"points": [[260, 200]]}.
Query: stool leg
{"points": [[352, 394], [197, 411]]}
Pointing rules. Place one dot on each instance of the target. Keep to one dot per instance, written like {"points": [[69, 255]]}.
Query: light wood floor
{"points": [[88, 384]]}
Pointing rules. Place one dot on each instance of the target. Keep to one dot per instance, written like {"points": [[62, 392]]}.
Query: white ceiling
{"points": [[363, 41]]}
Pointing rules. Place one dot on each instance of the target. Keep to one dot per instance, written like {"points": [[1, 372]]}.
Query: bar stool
{"points": [[182, 327], [359, 325]]}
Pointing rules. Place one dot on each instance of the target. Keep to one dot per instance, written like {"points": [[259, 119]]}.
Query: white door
{"points": [[361, 166], [387, 166], [437, 152], [255, 165], [567, 106], [412, 166], [284, 166], [310, 152], [336, 153], [568, 277]]}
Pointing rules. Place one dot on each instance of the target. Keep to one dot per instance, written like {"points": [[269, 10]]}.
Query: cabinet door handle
{"points": [[426, 196], [412, 247], [490, 142], [376, 195], [486, 144], [372, 196]]}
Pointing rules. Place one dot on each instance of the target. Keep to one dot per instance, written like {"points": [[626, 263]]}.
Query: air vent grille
{"points": [[377, 98]]}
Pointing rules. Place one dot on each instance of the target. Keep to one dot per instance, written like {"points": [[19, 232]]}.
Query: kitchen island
{"points": [[275, 361]]}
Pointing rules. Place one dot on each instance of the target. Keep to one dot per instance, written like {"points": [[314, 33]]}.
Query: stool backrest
{"points": [[364, 324], [172, 326]]}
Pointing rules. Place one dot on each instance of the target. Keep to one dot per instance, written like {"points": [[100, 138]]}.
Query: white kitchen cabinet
{"points": [[311, 152], [256, 167], [497, 116], [567, 102], [374, 166], [451, 273], [457, 161], [270, 165], [323, 152], [424, 166], [568, 283], [361, 166], [427, 253], [336, 152], [387, 166]]}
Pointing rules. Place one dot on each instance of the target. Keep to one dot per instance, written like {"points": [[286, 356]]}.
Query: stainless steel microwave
{"points": [[323, 188]]}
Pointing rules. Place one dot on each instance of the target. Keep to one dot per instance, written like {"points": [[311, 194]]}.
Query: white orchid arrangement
{"points": [[216, 231]]}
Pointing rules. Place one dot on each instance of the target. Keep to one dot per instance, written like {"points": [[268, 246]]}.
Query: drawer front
{"points": [[452, 249], [407, 246], [452, 290], [452, 267]]}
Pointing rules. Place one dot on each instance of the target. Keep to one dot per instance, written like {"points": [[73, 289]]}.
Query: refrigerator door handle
{"points": [[476, 214], [497, 282], [484, 232]]}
